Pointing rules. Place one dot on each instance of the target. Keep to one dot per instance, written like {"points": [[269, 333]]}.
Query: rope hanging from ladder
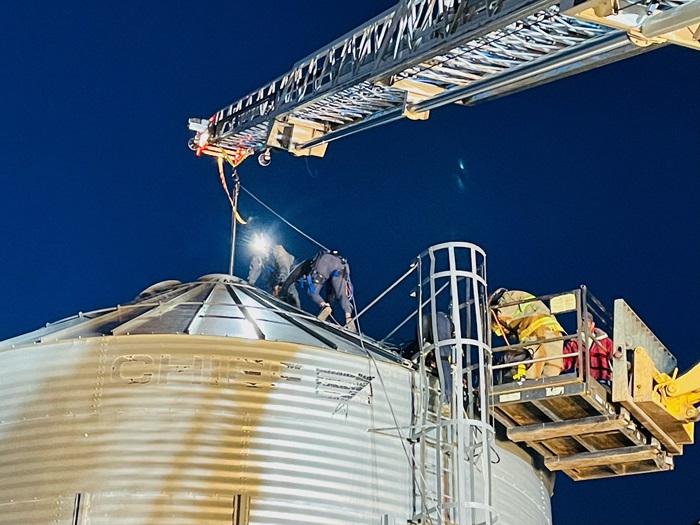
{"points": [[234, 162], [222, 177]]}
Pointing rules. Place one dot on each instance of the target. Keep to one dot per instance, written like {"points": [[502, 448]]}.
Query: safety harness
{"points": [[314, 278]]}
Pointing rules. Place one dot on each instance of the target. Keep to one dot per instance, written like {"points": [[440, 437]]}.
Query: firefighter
{"points": [[329, 271], [445, 330], [276, 262], [530, 320]]}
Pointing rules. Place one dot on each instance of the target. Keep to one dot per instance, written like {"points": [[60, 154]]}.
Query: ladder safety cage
{"points": [[451, 435], [453, 432]]}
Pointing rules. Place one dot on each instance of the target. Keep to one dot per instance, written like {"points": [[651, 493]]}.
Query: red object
{"points": [[600, 351]]}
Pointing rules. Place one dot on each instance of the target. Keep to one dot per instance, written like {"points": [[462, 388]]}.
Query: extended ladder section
{"points": [[452, 436], [603, 415], [423, 54]]}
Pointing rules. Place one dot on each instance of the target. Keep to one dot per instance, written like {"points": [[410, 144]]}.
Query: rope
{"points": [[239, 156], [336, 321], [222, 176], [283, 219]]}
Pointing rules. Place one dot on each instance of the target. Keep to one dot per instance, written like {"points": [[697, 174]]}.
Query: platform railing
{"points": [[571, 308]]}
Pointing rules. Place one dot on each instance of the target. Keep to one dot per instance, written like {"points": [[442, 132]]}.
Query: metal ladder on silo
{"points": [[452, 454]]}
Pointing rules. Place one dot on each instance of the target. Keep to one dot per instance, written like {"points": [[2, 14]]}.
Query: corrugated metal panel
{"points": [[137, 421], [518, 493]]}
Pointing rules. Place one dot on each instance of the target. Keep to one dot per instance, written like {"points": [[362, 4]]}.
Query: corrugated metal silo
{"points": [[213, 403]]}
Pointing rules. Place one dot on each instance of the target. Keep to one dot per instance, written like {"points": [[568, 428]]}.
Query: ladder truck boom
{"points": [[423, 54]]}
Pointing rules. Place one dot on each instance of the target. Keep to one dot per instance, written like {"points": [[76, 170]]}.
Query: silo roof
{"points": [[215, 305]]}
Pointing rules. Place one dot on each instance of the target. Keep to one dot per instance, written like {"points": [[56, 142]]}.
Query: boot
{"points": [[350, 324], [325, 312], [445, 411]]}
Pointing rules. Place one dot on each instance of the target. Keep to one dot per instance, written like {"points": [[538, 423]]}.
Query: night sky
{"points": [[592, 179]]}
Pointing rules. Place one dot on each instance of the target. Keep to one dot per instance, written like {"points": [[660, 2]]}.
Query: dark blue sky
{"points": [[592, 179]]}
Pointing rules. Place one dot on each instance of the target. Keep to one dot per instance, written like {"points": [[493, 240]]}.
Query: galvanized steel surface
{"points": [[167, 429], [519, 493], [162, 428]]}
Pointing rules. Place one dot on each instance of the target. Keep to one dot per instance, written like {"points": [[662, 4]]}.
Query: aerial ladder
{"points": [[423, 54]]}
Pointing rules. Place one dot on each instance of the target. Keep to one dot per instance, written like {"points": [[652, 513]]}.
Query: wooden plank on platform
{"points": [[577, 427], [660, 463], [562, 446], [680, 432], [570, 407], [603, 458]]}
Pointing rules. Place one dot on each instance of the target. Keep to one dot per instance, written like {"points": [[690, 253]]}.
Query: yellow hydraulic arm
{"points": [[645, 381], [680, 394]]}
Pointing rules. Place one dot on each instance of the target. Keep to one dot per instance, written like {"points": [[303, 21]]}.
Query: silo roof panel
{"points": [[215, 305]]}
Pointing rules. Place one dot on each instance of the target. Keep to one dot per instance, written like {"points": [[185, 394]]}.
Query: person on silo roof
{"points": [[329, 271], [276, 263]]}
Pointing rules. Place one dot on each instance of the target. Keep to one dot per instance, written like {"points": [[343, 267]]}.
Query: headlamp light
{"points": [[260, 244]]}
